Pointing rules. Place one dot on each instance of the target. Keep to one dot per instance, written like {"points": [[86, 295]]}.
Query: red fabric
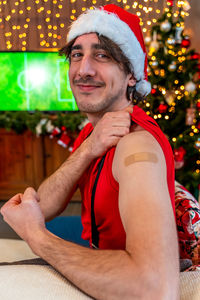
{"points": [[133, 22], [110, 228]]}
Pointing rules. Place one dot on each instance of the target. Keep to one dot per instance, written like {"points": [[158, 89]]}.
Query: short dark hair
{"points": [[117, 55]]}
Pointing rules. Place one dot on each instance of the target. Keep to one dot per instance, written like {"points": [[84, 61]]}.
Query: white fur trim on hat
{"points": [[110, 25]]}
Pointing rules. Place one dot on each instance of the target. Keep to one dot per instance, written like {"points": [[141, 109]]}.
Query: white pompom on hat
{"points": [[122, 28]]}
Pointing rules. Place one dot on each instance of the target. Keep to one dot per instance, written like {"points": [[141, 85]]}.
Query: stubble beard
{"points": [[105, 105]]}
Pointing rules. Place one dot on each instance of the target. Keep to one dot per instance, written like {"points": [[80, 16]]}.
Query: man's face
{"points": [[98, 83]]}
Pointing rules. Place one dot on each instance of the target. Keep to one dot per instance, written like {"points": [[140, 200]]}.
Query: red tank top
{"points": [[107, 216]]}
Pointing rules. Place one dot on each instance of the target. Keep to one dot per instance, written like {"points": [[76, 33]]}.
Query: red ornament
{"points": [[170, 2], [185, 43], [162, 108], [195, 56], [198, 125], [153, 91], [198, 105], [179, 154], [63, 128]]}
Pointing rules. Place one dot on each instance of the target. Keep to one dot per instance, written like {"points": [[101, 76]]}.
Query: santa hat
{"points": [[122, 28]]}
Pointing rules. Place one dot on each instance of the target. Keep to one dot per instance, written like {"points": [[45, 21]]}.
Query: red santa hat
{"points": [[122, 28]]}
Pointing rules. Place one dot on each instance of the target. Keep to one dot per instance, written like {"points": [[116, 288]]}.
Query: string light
{"points": [[51, 15]]}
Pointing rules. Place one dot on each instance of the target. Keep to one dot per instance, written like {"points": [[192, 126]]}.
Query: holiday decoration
{"points": [[147, 40], [185, 42], [197, 143], [170, 41], [64, 140], [178, 37], [172, 66], [165, 26], [56, 131], [162, 108], [198, 105], [179, 157], [190, 115], [154, 64], [173, 101], [190, 87], [169, 97]]}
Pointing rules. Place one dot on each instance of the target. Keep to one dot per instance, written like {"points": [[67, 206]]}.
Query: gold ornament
{"points": [[169, 97]]}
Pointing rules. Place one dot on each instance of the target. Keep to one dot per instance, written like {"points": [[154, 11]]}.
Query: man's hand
{"points": [[108, 131], [23, 214]]}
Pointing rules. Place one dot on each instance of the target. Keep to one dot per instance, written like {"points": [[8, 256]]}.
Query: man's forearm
{"points": [[103, 274], [56, 191]]}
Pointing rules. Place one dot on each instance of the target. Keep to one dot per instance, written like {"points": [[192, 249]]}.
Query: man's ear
{"points": [[132, 80]]}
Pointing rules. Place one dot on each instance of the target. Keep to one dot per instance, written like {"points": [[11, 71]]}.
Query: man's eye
{"points": [[76, 55], [102, 56]]}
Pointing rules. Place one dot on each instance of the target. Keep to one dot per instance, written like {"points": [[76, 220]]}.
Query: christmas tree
{"points": [[174, 71]]}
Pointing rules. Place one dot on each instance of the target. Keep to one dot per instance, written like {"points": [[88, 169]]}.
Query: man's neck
{"points": [[95, 117]]}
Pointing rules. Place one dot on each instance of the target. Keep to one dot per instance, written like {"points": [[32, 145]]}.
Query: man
{"points": [[124, 171]]}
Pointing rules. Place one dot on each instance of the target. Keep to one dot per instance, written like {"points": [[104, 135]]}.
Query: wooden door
{"points": [[21, 162]]}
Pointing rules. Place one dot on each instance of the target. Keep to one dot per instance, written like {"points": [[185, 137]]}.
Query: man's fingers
{"points": [[129, 109], [30, 194]]}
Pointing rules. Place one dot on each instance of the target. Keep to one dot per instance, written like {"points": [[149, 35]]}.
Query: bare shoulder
{"points": [[138, 145]]}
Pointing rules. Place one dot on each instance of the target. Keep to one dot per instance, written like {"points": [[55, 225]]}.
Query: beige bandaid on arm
{"points": [[140, 157]]}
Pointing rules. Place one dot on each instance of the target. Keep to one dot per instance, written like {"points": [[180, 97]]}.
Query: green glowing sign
{"points": [[35, 81]]}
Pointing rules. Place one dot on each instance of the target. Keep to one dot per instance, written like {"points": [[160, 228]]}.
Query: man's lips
{"points": [[88, 87]]}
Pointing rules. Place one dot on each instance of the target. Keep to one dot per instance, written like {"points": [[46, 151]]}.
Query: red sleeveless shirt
{"points": [[107, 216]]}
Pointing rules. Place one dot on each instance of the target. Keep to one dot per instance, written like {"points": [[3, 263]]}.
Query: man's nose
{"points": [[86, 67]]}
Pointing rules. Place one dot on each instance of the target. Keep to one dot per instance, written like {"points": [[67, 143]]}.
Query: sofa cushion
{"points": [[188, 223]]}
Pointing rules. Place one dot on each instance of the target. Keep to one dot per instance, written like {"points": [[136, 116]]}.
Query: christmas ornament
{"points": [[178, 32], [186, 6], [179, 157], [64, 140], [154, 64], [147, 40], [195, 56], [170, 41], [162, 108], [165, 26], [56, 131], [172, 66], [39, 126], [198, 125], [49, 126], [153, 91], [169, 97], [190, 87], [170, 2], [154, 46], [190, 115], [185, 42], [83, 124], [198, 105], [197, 144]]}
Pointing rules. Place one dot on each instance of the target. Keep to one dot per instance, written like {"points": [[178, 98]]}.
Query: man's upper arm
{"points": [[144, 203]]}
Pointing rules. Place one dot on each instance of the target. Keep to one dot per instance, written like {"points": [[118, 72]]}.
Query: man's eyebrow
{"points": [[76, 47], [94, 46], [98, 46]]}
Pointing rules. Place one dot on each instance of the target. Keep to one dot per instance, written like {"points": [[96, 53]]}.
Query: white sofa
{"points": [[37, 282]]}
